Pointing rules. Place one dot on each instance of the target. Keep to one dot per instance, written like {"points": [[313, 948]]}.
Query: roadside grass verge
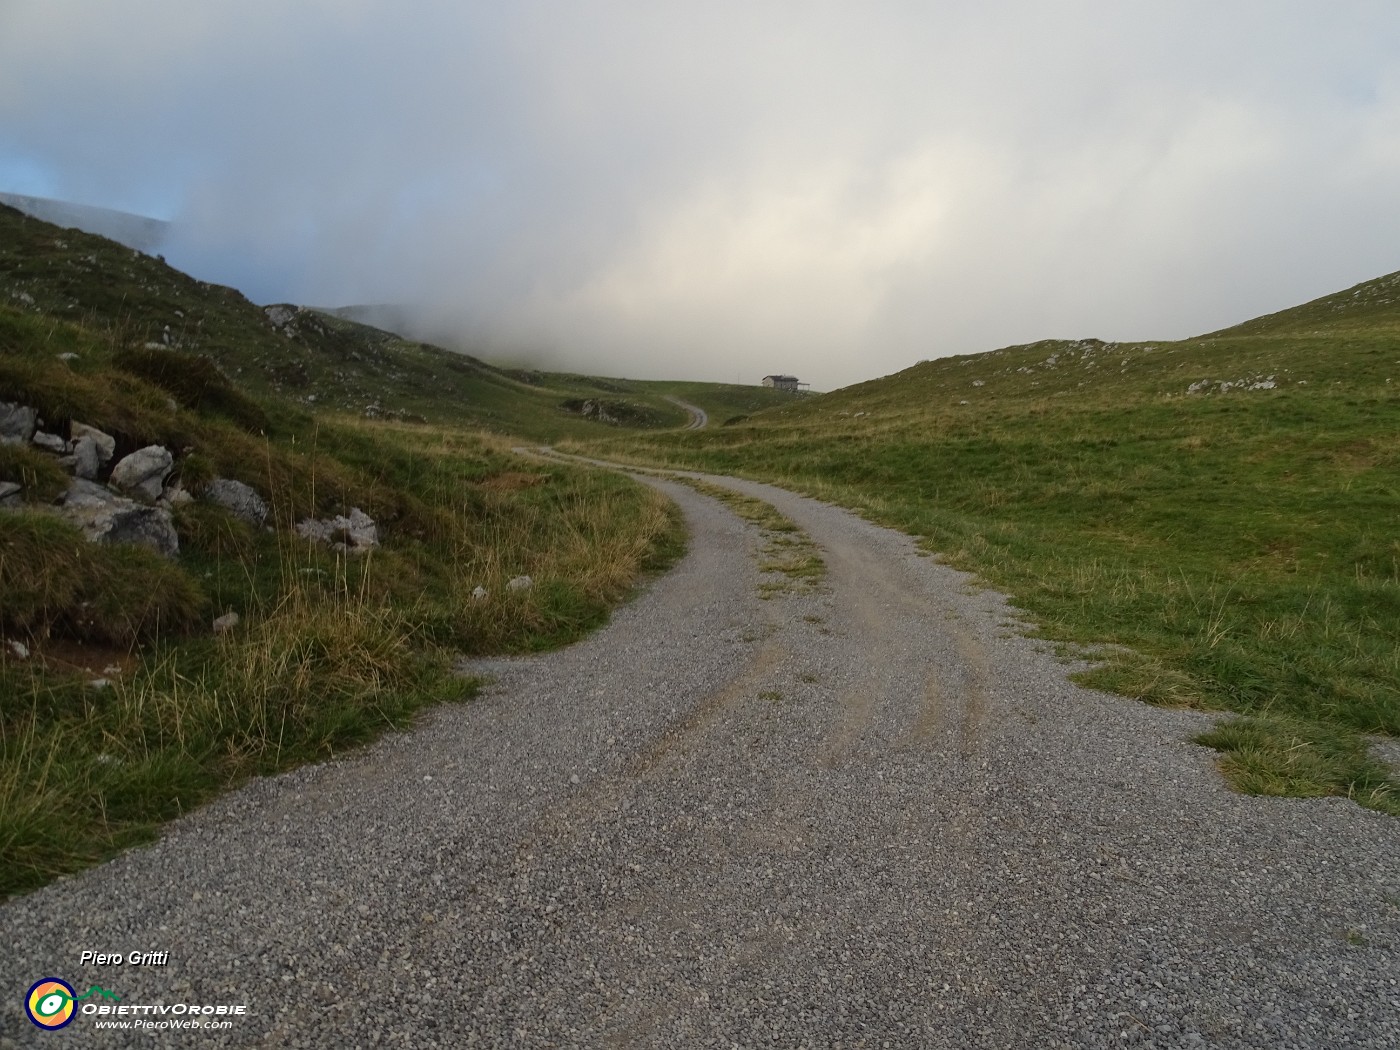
{"points": [[1291, 757], [330, 651], [787, 552], [1230, 552], [85, 772]]}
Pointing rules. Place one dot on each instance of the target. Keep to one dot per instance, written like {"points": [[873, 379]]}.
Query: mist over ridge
{"points": [[725, 192]]}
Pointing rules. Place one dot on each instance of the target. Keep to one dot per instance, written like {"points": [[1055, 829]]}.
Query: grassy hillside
{"points": [[315, 359], [120, 705], [1217, 517], [727, 404]]}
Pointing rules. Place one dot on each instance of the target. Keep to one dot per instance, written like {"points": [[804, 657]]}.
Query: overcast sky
{"points": [[725, 189]]}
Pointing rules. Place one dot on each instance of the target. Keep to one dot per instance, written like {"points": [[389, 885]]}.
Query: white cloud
{"points": [[718, 189]]}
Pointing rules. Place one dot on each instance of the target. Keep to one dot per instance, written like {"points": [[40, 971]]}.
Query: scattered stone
{"points": [[613, 413], [354, 534], [17, 423], [480, 593], [112, 669], [520, 583], [279, 315], [20, 650], [68, 355], [240, 500], [1255, 382], [225, 623], [106, 444], [100, 683], [106, 517], [49, 442], [144, 471], [86, 459], [10, 494]]}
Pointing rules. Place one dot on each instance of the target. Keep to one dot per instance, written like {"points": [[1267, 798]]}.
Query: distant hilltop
{"points": [[135, 231], [387, 317]]}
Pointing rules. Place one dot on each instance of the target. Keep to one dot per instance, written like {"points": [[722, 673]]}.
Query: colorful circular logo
{"points": [[49, 1003]]}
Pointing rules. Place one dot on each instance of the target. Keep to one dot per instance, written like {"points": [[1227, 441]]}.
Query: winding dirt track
{"points": [[871, 816], [699, 418]]}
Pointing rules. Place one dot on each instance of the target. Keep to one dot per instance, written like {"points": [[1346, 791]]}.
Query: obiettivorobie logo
{"points": [[52, 1002]]}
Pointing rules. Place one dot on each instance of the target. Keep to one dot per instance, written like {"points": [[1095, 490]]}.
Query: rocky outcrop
{"points": [[86, 460], [613, 412], [280, 315], [144, 471], [135, 504], [49, 442], [240, 500], [356, 534], [106, 517], [106, 444], [592, 408], [17, 423]]}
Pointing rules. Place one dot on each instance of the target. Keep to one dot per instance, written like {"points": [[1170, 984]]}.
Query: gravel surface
{"points": [[699, 418], [871, 816]]}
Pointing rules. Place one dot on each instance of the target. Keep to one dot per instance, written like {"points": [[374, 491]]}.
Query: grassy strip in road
{"points": [[787, 551]]}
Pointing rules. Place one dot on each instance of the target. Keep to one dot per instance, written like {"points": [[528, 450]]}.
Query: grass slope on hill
{"points": [[1224, 509], [330, 649], [318, 360]]}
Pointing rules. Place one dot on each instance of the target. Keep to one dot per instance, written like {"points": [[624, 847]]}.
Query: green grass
{"points": [[1299, 758], [725, 403], [57, 583], [1236, 547], [86, 772], [330, 650]]}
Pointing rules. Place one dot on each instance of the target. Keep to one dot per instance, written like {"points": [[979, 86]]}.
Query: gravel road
{"points": [[871, 816], [699, 418]]}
